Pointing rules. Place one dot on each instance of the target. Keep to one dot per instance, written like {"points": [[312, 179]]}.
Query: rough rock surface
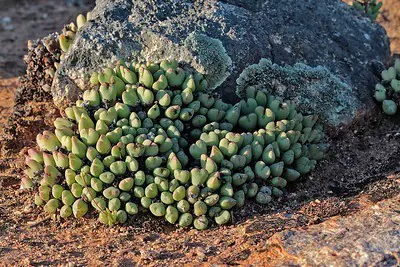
{"points": [[373, 234], [240, 33]]}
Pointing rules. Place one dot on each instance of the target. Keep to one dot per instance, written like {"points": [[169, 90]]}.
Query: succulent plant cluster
{"points": [[388, 90], [370, 7], [150, 136], [69, 31]]}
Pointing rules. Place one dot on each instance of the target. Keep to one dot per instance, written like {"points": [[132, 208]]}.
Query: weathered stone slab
{"points": [[221, 38]]}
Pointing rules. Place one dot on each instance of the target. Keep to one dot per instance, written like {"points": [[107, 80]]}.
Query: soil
{"points": [[361, 170]]}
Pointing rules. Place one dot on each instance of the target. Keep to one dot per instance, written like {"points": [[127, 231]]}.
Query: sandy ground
{"points": [[390, 19], [358, 175]]}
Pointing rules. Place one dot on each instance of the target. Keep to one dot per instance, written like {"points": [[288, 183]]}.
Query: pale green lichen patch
{"points": [[211, 55], [202, 53], [313, 89]]}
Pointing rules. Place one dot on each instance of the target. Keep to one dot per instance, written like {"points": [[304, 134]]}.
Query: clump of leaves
{"points": [[152, 136], [370, 7]]}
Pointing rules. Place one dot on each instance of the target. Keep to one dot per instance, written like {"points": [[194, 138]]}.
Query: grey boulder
{"points": [[222, 38]]}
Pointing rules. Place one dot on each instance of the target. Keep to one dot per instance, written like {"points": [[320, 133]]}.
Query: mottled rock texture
{"points": [[370, 237], [222, 38]]}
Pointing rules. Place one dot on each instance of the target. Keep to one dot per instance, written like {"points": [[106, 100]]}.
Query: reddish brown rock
{"points": [[370, 237]]}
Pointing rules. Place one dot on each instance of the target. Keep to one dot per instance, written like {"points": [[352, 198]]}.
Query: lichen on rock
{"points": [[211, 58], [313, 89], [200, 52]]}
